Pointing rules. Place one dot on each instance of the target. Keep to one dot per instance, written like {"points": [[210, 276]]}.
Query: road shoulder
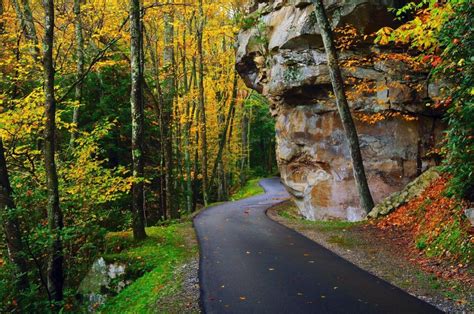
{"points": [[360, 244]]}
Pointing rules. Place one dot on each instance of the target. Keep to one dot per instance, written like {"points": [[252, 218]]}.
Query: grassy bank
{"points": [[251, 188], [154, 262]]}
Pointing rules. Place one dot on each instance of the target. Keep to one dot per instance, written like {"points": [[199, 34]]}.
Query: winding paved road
{"points": [[251, 264]]}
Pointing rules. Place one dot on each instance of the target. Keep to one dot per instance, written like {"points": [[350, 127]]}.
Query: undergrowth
{"points": [[153, 261], [435, 223]]}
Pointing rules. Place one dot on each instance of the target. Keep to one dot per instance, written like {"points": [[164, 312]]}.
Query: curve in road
{"points": [[251, 264]]}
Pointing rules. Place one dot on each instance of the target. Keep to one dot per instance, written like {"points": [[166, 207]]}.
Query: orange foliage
{"points": [[347, 37], [380, 116], [427, 217], [412, 62]]}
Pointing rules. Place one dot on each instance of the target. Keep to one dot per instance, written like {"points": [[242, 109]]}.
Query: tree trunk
{"points": [[243, 151], [55, 216], [187, 130], [79, 65], [168, 97], [202, 111], [137, 121], [366, 200], [25, 17], [223, 135], [158, 106]]}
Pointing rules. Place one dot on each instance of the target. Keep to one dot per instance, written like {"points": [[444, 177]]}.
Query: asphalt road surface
{"points": [[251, 264]]}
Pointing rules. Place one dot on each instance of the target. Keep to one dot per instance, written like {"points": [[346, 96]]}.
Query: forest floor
{"points": [[378, 253]]}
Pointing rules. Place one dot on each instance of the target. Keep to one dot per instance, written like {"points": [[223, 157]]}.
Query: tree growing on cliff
{"points": [[366, 200]]}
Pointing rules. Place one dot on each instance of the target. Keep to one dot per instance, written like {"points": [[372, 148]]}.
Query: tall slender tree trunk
{"points": [[366, 200], [195, 115], [136, 102], [168, 96], [187, 130], [55, 216], [243, 151], [223, 137], [158, 106], [79, 65], [202, 111]]}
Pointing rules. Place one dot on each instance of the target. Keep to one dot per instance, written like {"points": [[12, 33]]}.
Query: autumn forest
{"points": [[135, 137]]}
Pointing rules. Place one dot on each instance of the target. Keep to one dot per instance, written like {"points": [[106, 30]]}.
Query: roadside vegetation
{"points": [[152, 264], [251, 188]]}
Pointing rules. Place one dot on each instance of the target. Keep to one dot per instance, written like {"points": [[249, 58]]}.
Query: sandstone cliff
{"points": [[280, 54]]}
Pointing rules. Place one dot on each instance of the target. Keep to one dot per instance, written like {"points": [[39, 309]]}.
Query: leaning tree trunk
{"points": [[366, 200], [136, 103], [79, 65], [55, 216]]}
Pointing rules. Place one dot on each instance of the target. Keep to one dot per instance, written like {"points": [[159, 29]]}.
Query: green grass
{"points": [[288, 210], [251, 188], [154, 261]]}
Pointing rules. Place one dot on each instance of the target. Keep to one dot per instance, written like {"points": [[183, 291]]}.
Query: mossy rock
{"points": [[412, 190]]}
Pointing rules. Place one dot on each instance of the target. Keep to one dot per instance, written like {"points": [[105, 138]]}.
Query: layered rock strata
{"points": [[280, 54]]}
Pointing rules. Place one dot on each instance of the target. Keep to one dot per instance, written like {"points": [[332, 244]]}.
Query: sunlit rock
{"points": [[282, 57]]}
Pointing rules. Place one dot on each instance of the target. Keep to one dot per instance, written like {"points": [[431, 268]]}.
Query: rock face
{"points": [[280, 54]]}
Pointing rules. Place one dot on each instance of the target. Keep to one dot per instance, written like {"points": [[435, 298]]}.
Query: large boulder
{"points": [[281, 56]]}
